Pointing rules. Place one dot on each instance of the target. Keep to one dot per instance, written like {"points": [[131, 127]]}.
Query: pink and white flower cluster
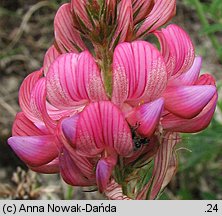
{"points": [[107, 104]]}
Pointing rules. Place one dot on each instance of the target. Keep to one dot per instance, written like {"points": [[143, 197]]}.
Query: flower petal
{"points": [[56, 114], [25, 94], [139, 73], [22, 126], [38, 104], [161, 12], [102, 127], [188, 101], [124, 22], [104, 170], [67, 36], [49, 58], [177, 49], [206, 79], [71, 173], [114, 191], [190, 77], [49, 168], [161, 163], [171, 170], [148, 116], [141, 9], [34, 150], [200, 122], [69, 128], [73, 80], [79, 12]]}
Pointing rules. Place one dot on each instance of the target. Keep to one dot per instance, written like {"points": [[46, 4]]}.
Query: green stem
{"points": [[69, 193], [205, 23], [105, 57]]}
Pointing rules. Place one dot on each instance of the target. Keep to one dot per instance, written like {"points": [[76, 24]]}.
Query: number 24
{"points": [[212, 208]]}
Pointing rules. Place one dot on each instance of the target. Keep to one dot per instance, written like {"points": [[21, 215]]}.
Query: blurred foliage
{"points": [[210, 16]]}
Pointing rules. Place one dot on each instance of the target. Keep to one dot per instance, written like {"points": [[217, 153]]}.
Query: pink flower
{"points": [[93, 137]]}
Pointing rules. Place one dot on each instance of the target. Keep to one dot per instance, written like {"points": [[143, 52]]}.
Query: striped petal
{"points": [[177, 49], [69, 128], [67, 36], [22, 126], [114, 191], [188, 101], [148, 116], [196, 124], [49, 168], [190, 77], [104, 170], [124, 23], [161, 12], [102, 127], [139, 73], [201, 121], [141, 9], [70, 171], [66, 135], [25, 94], [206, 79], [56, 114], [171, 170], [38, 104], [161, 163], [34, 150], [49, 58], [80, 13], [73, 80]]}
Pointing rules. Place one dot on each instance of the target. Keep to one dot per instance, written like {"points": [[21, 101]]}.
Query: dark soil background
{"points": [[26, 31]]}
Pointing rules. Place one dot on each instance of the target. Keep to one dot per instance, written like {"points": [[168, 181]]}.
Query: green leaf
{"points": [[209, 196], [205, 146], [215, 7], [212, 28]]}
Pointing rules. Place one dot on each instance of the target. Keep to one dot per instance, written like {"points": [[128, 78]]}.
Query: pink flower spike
{"points": [[73, 80], [188, 101], [139, 73], [190, 77], [159, 15], [49, 58], [67, 37], [104, 170], [34, 150], [102, 128], [176, 48], [147, 116]]}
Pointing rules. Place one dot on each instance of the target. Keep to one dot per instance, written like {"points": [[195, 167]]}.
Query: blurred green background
{"points": [[26, 31]]}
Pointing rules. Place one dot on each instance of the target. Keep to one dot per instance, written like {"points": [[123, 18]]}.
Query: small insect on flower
{"points": [[137, 139]]}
